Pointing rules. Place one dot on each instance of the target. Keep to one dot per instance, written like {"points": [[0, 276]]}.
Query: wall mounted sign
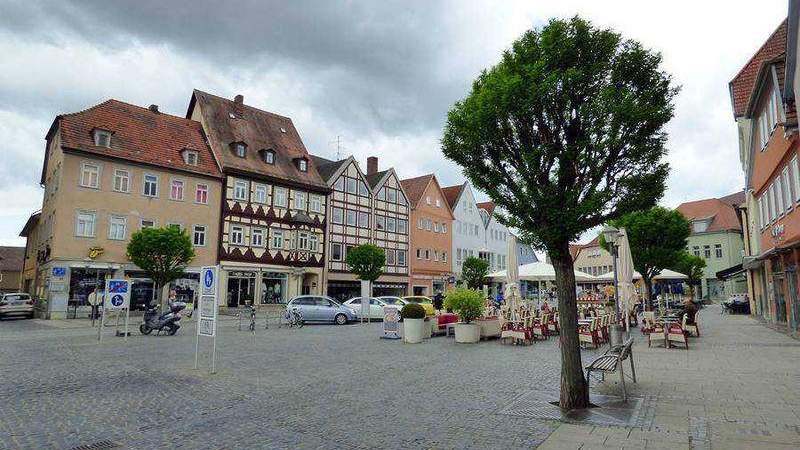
{"points": [[95, 252]]}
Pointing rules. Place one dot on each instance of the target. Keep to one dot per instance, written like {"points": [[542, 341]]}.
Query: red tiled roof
{"points": [[723, 216], [487, 206], [574, 249], [228, 122], [451, 193], [415, 187], [735, 199], [138, 135], [741, 87], [11, 258]]}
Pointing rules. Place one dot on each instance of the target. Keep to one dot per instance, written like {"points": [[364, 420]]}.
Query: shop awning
{"points": [[730, 272]]}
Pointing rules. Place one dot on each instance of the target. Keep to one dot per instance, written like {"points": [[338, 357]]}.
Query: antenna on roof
{"points": [[339, 146]]}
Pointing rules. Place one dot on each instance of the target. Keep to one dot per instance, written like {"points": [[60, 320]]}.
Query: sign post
{"points": [[117, 298], [207, 320], [365, 292]]}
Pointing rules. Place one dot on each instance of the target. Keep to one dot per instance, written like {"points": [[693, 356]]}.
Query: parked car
{"points": [[375, 307], [393, 301], [426, 303], [319, 308], [16, 304]]}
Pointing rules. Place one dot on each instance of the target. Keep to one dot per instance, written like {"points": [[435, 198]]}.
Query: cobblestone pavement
{"points": [[737, 387], [317, 387]]}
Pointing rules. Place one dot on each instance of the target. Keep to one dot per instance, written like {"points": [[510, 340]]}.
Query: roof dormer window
{"points": [[268, 155], [102, 138], [302, 164], [239, 149], [190, 157]]}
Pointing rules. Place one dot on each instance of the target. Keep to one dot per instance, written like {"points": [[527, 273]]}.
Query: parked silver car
{"points": [[16, 304], [319, 308]]}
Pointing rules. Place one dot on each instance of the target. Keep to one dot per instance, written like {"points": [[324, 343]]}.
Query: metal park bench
{"points": [[611, 361]]}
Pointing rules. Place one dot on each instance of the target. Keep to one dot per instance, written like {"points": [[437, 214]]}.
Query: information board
{"points": [[391, 322]]}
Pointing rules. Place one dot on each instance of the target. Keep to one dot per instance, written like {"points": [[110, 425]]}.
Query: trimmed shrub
{"points": [[467, 303], [412, 311]]}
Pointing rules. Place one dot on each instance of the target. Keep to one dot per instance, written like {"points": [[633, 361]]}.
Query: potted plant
{"points": [[413, 316], [468, 304]]}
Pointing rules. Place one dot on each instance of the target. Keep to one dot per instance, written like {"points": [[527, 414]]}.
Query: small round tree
{"points": [[693, 267], [162, 253], [474, 271], [467, 303], [367, 262]]}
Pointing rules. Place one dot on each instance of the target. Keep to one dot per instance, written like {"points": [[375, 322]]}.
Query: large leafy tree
{"points": [[565, 133], [473, 271], [366, 261], [162, 253], [693, 267], [657, 237]]}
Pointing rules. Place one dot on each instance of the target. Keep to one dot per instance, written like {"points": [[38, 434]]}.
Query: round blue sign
{"points": [[117, 300], [208, 278]]}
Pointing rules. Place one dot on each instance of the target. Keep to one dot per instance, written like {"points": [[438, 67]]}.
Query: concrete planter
{"points": [[467, 333], [412, 330], [427, 327]]}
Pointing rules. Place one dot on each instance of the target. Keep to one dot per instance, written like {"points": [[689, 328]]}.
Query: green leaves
{"points": [[366, 261], [566, 132], [692, 266], [474, 271], [467, 303], [163, 253]]}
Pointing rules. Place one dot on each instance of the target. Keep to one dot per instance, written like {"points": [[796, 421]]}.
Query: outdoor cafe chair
{"points": [[657, 334], [677, 333], [692, 328], [588, 333]]}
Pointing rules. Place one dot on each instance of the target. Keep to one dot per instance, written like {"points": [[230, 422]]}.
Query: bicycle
{"points": [[292, 317], [252, 319]]}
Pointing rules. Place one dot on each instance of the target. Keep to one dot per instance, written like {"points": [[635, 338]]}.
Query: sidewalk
{"points": [[735, 388]]}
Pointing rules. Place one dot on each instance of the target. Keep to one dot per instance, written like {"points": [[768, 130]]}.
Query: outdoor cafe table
{"points": [[665, 321]]}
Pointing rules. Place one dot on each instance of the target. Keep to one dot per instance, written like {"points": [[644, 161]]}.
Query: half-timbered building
{"points": [[273, 216]]}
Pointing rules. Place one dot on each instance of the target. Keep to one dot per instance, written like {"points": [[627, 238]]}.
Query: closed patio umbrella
{"points": [[511, 294], [627, 292]]}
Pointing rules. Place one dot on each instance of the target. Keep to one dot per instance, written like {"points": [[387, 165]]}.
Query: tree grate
{"points": [[99, 445]]}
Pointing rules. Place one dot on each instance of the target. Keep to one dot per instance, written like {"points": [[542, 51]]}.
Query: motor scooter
{"points": [[168, 321]]}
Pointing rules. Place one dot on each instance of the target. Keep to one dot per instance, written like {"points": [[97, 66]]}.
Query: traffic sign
{"points": [[118, 294], [208, 276], [207, 322]]}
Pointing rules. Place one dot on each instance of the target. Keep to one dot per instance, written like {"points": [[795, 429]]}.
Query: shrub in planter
{"points": [[413, 321], [469, 305]]}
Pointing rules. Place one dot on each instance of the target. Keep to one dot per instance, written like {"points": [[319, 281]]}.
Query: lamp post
{"points": [[611, 235]]}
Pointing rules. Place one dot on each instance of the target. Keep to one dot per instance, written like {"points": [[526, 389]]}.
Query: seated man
{"points": [[690, 309]]}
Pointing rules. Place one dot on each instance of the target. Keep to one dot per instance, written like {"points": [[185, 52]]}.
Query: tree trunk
{"points": [[648, 289], [574, 389]]}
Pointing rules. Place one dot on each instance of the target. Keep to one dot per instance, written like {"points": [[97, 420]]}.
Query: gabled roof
{"points": [[453, 193], [33, 220], [138, 135], [376, 178], [227, 121], [415, 187], [487, 206], [574, 249], [11, 259], [722, 215], [741, 87], [735, 199], [327, 168]]}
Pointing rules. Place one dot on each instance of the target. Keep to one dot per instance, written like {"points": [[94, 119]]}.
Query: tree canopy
{"points": [[366, 261], [565, 133], [657, 238], [162, 253], [693, 267], [473, 271]]}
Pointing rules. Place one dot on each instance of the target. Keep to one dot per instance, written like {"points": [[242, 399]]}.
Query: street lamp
{"points": [[611, 236]]}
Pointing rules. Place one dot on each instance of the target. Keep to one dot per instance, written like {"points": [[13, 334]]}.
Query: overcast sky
{"points": [[382, 75]]}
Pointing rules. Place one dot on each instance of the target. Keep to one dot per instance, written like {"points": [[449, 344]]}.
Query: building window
{"points": [[313, 243], [277, 239], [300, 200], [438, 203], [176, 225], [380, 222], [122, 180], [707, 251], [362, 189], [351, 218], [102, 138], [302, 241], [787, 189], [302, 165], [240, 190], [391, 195], [428, 254], [201, 194], [257, 237], [419, 253], [779, 195], [315, 203], [146, 223], [390, 257], [381, 194], [391, 224], [116, 228], [150, 186], [90, 175], [199, 236], [352, 186], [85, 224], [339, 184], [772, 205], [336, 252], [444, 256], [796, 177], [269, 156], [696, 250], [363, 220], [280, 198], [338, 215], [718, 250], [260, 194], [401, 257], [444, 228], [237, 235], [190, 157], [428, 199], [402, 226], [240, 149], [428, 224], [176, 190]]}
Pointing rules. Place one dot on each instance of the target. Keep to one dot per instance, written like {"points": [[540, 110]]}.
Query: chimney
{"points": [[239, 99], [153, 108], [372, 165]]}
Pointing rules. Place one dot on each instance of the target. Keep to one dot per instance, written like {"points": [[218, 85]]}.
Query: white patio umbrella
{"points": [[627, 292], [511, 294]]}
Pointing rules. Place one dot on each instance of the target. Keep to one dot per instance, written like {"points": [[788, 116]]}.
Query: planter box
{"points": [[468, 333], [413, 330], [489, 327], [427, 327]]}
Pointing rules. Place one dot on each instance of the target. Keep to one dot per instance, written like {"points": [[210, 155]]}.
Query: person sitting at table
{"points": [[545, 307], [690, 310]]}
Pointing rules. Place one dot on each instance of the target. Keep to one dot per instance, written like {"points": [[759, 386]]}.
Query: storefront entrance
{"points": [[342, 291], [241, 288], [82, 283], [778, 278], [273, 287]]}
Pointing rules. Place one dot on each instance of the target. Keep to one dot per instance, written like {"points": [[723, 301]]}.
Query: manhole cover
{"points": [[607, 410]]}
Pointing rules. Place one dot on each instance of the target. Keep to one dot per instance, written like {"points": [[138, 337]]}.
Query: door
{"points": [[240, 291], [791, 284]]}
